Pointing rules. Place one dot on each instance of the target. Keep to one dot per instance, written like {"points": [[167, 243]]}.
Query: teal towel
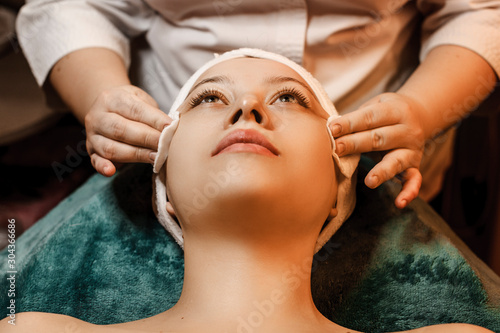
{"points": [[101, 256]]}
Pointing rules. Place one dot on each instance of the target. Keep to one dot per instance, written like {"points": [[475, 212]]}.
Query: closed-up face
{"points": [[251, 151]]}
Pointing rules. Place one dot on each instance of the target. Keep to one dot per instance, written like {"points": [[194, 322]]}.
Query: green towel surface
{"points": [[101, 256]]}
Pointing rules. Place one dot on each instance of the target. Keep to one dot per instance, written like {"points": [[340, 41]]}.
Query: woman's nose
{"points": [[250, 108]]}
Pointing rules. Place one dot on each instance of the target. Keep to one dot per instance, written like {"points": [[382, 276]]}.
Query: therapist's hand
{"points": [[123, 126], [392, 123]]}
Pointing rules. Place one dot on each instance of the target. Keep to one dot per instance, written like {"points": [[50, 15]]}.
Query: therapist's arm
{"points": [[447, 85], [123, 123]]}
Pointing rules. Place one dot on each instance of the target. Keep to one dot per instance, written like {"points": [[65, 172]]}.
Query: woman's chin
{"points": [[243, 199]]}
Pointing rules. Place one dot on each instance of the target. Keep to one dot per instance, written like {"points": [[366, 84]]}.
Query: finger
{"points": [[371, 101], [412, 180], [102, 165], [121, 152], [369, 117], [127, 131], [383, 138], [393, 163], [384, 97], [144, 96], [133, 108]]}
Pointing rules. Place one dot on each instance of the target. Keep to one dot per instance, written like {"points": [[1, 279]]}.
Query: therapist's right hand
{"points": [[123, 126]]}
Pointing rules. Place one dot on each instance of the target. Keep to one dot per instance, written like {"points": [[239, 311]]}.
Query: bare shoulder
{"points": [[43, 322], [452, 328]]}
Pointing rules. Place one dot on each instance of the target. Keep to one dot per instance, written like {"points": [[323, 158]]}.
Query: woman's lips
{"points": [[246, 140]]}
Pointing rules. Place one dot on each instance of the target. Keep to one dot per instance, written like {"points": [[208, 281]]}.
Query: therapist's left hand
{"points": [[393, 123]]}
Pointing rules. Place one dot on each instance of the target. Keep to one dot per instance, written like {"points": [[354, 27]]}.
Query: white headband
{"points": [[346, 196]]}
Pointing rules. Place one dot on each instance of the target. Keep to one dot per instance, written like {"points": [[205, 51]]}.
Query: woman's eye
{"points": [[210, 96], [210, 99], [288, 98], [293, 96]]}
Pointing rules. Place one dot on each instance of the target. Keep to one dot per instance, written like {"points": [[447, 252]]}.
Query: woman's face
{"points": [[252, 144]]}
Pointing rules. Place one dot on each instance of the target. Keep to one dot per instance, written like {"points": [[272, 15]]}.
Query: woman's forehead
{"points": [[250, 67]]}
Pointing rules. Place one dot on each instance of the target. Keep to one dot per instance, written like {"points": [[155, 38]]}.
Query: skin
{"points": [[123, 122], [238, 259], [433, 99]]}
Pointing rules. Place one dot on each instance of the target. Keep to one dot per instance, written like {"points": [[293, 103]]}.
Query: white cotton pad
{"points": [[346, 196]]}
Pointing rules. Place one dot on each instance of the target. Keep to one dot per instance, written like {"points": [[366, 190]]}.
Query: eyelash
{"points": [[301, 98], [196, 100]]}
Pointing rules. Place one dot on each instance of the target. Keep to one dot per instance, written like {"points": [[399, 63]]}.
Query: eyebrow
{"points": [[216, 79], [282, 79], [273, 80]]}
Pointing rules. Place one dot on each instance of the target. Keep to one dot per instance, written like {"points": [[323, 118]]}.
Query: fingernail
{"points": [[152, 157], [404, 203], [373, 181], [106, 169], [340, 148], [336, 129]]}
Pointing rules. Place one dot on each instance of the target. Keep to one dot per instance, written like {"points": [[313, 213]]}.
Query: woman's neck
{"points": [[232, 286]]}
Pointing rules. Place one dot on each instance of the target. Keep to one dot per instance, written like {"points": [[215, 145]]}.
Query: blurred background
{"points": [[43, 156]]}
